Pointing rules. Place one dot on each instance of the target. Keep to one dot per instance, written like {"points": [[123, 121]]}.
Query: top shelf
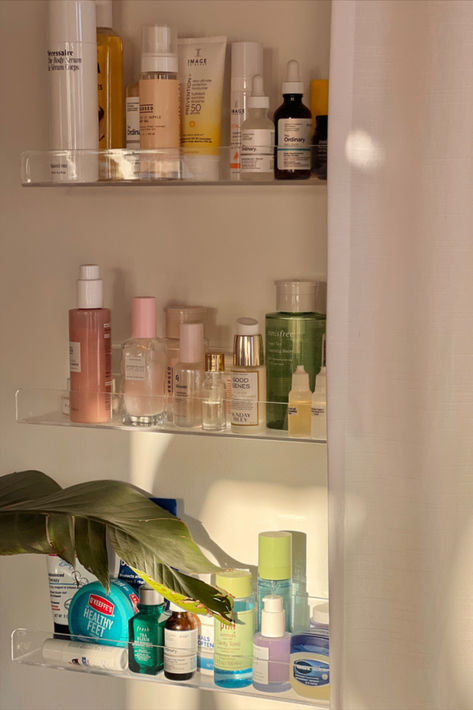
{"points": [[164, 167]]}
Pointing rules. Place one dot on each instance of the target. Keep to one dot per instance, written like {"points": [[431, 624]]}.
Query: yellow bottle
{"points": [[300, 402], [110, 79]]}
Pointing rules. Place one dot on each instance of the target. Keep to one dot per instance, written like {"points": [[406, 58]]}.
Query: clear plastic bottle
{"points": [[214, 393], [257, 137], [293, 121], [319, 406], [189, 376], [275, 570], [299, 406]]}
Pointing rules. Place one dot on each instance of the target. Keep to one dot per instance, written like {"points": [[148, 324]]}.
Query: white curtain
{"points": [[400, 354]]}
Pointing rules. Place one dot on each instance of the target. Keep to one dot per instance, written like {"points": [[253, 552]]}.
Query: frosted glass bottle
{"points": [[214, 393]]}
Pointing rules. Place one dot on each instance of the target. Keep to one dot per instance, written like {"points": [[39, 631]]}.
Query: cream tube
{"points": [[201, 67]]}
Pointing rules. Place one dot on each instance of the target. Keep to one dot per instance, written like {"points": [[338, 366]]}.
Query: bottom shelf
{"points": [[39, 648]]}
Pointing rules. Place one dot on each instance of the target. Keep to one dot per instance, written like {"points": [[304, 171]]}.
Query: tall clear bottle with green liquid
{"points": [[294, 336]]}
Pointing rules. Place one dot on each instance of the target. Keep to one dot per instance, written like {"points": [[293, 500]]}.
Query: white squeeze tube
{"points": [[62, 652], [201, 68], [72, 72]]}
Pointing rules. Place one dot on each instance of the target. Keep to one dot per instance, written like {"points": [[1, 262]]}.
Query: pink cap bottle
{"points": [[143, 317], [191, 342]]}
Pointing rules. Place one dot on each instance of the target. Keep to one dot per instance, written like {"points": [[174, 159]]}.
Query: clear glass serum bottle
{"points": [[214, 393]]}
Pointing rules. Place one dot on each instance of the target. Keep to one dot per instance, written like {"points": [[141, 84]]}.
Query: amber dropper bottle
{"points": [[180, 644], [293, 124]]}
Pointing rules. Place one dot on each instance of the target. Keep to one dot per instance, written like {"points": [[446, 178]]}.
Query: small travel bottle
{"points": [[189, 376], [144, 367], [271, 648], [180, 644], [146, 633], [248, 378], [233, 658], [275, 570], [159, 102], [300, 401], [214, 393], [132, 116], [90, 351], [319, 406], [257, 137], [293, 123], [110, 78]]}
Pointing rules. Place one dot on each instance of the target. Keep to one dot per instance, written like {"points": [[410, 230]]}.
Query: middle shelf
{"points": [[52, 407]]}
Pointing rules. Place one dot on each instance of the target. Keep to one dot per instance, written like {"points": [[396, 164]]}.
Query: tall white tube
{"points": [[72, 70]]}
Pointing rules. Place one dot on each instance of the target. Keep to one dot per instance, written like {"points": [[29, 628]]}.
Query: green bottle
{"points": [[294, 336], [146, 633]]}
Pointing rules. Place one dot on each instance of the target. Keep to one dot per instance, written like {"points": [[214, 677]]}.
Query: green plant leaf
{"points": [[91, 548], [25, 485]]}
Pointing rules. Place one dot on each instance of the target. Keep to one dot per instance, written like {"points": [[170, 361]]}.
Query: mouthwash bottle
{"points": [[293, 122], [294, 336]]}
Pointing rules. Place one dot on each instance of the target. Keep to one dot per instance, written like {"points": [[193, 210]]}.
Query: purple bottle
{"points": [[271, 648]]}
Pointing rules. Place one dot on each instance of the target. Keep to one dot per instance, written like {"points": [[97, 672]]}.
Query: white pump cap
{"points": [[293, 83], [300, 379], [273, 617], [257, 98], [247, 326], [191, 342], [150, 596], [72, 21], [104, 13], [89, 287], [158, 49]]}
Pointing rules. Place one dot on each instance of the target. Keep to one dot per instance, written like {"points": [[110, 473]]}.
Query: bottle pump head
{"points": [[257, 98], [273, 617], [293, 83], [89, 287], [158, 49]]}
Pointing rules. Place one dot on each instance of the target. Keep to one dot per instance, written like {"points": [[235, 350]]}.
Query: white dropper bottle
{"points": [[319, 406], [257, 137]]}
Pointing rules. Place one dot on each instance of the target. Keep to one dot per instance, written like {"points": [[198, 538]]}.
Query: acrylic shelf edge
{"points": [[311, 182]]}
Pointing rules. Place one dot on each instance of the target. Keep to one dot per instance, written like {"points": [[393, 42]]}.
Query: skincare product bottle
{"points": [[110, 79], [175, 315], [293, 337], [72, 71], [299, 407], [319, 406], [274, 570], [293, 123], [309, 663], [189, 376], [180, 644], [233, 658], [271, 648], [257, 137], [159, 102], [132, 116], [66, 653], [318, 99], [205, 642], [247, 60], [319, 110], [146, 633], [144, 367], [248, 377], [214, 393], [90, 351]]}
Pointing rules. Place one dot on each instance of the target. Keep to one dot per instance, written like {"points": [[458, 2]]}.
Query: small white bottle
{"points": [[189, 376], [257, 137], [248, 378], [214, 393], [319, 406], [299, 404]]}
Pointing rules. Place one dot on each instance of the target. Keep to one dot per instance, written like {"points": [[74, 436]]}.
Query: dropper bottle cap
{"points": [[89, 287], [257, 98], [300, 379], [293, 83], [273, 617]]}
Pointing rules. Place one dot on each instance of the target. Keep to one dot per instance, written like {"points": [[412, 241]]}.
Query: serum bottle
{"points": [[144, 367], [257, 137], [248, 378], [275, 570], [110, 79], [90, 351], [214, 393], [189, 376], [180, 644], [293, 123], [300, 401], [272, 648], [146, 634], [247, 61], [233, 658]]}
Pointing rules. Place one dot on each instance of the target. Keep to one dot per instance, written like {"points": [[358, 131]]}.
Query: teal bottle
{"points": [[294, 336], [146, 633]]}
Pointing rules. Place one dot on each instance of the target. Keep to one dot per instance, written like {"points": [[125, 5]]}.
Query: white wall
{"points": [[216, 246]]}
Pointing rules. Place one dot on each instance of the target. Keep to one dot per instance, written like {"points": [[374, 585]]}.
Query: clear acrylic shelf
{"points": [[42, 648], [66, 168], [52, 407]]}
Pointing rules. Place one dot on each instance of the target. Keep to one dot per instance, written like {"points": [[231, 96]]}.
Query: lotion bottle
{"points": [[90, 351], [293, 123], [146, 633], [180, 644], [144, 367], [110, 79], [247, 61], [257, 137], [299, 407], [189, 376], [271, 648], [248, 378], [72, 71]]}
